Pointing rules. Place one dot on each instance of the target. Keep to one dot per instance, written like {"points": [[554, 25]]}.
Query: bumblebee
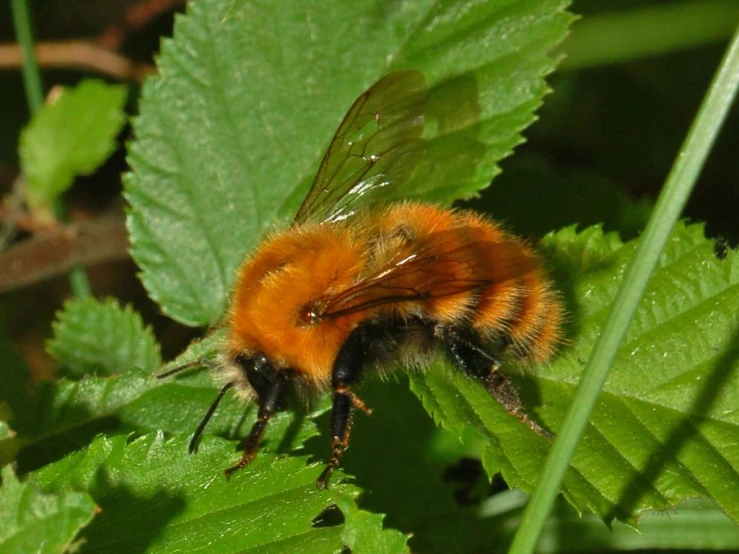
{"points": [[356, 285]]}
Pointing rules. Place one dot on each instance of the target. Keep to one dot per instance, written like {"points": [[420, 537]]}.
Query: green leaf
{"points": [[663, 429], [248, 96], [363, 533], [68, 414], [91, 336], [65, 414], [71, 137], [693, 525], [621, 35], [34, 522], [156, 497]]}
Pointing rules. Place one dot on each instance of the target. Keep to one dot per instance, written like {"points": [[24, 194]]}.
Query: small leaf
{"points": [[665, 425], [101, 337], [43, 523], [248, 95], [156, 497], [71, 137]]}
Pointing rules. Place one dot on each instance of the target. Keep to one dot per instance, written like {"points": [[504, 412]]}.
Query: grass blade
{"points": [[670, 204]]}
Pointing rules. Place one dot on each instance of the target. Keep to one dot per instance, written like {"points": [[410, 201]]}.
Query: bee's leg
{"points": [[466, 352], [346, 371], [269, 403]]}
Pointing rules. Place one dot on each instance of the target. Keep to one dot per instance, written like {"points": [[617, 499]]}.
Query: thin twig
{"points": [[78, 54], [54, 252]]}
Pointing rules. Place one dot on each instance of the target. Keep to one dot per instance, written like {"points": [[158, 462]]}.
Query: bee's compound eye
{"points": [[244, 362], [261, 363], [257, 371]]}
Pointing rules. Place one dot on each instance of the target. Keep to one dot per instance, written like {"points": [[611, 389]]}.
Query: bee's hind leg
{"points": [[466, 352]]}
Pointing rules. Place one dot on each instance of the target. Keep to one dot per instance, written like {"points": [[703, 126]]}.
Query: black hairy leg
{"points": [[466, 352], [346, 372], [270, 402]]}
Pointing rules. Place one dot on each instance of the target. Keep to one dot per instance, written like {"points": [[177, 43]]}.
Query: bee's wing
{"points": [[377, 145], [437, 269]]}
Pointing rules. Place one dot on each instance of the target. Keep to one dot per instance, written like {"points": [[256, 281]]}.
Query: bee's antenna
{"points": [[199, 431], [188, 365]]}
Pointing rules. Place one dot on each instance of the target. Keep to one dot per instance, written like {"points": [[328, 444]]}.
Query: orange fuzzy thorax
{"points": [[294, 272]]}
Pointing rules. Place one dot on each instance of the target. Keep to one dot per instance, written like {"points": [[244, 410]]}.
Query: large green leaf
{"points": [[249, 94], [94, 336], [43, 523], [156, 497], [665, 427], [63, 415], [68, 414]]}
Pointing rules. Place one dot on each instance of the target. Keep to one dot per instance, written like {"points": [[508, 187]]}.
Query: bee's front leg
{"points": [[270, 402]]}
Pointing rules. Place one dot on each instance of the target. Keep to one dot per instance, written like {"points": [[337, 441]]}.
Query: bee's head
{"points": [[255, 372]]}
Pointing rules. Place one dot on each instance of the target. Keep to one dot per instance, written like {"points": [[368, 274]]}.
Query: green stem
{"points": [[632, 34], [670, 204], [31, 73], [35, 96]]}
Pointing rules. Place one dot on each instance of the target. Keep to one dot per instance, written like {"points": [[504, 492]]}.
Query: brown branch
{"points": [[78, 54], [48, 254]]}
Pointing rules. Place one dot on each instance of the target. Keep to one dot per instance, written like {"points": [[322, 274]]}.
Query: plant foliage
{"points": [[231, 131], [72, 136], [103, 337], [31, 521]]}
